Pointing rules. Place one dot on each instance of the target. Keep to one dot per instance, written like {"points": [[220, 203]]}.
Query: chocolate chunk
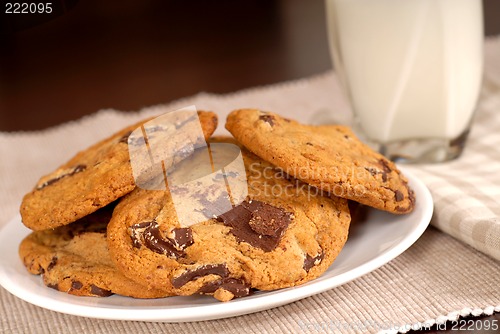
{"points": [[38, 269], [236, 286], [148, 234], [136, 233], [258, 223], [172, 247], [76, 285], [191, 275], [398, 195], [384, 177], [182, 237], [411, 198], [386, 169], [311, 261], [270, 221], [375, 171], [53, 286], [269, 119], [52, 263], [385, 166], [69, 172], [100, 292], [153, 240]]}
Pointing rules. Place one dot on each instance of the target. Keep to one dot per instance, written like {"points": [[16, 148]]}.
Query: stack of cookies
{"points": [[97, 231]]}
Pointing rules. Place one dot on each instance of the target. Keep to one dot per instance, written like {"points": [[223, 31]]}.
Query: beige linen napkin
{"points": [[436, 279]]}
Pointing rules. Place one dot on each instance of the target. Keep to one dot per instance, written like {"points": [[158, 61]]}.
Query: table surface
{"points": [[126, 55]]}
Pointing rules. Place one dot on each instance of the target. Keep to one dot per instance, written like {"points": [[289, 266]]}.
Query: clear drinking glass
{"points": [[412, 71]]}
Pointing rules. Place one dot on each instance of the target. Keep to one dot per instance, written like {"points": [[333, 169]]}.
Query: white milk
{"points": [[412, 68]]}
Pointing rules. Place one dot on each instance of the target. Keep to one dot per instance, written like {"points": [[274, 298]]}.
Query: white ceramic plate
{"points": [[371, 244]]}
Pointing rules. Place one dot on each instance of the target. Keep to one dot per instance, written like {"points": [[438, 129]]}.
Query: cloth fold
{"points": [[442, 276]]}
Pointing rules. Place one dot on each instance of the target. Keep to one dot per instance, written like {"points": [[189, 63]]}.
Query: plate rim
{"points": [[212, 311]]}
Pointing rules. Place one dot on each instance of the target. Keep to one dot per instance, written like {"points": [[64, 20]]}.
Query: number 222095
{"points": [[28, 8], [474, 325]]}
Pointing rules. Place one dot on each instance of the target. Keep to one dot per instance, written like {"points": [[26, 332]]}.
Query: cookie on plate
{"points": [[94, 177], [329, 157], [74, 258], [282, 234]]}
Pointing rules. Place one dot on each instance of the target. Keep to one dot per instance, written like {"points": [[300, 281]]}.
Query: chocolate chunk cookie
{"points": [[328, 157], [102, 173], [74, 258], [277, 231]]}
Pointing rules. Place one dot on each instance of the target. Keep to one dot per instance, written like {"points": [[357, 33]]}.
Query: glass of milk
{"points": [[412, 70]]}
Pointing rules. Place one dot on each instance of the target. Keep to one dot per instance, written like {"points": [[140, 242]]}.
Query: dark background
{"points": [[127, 54]]}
